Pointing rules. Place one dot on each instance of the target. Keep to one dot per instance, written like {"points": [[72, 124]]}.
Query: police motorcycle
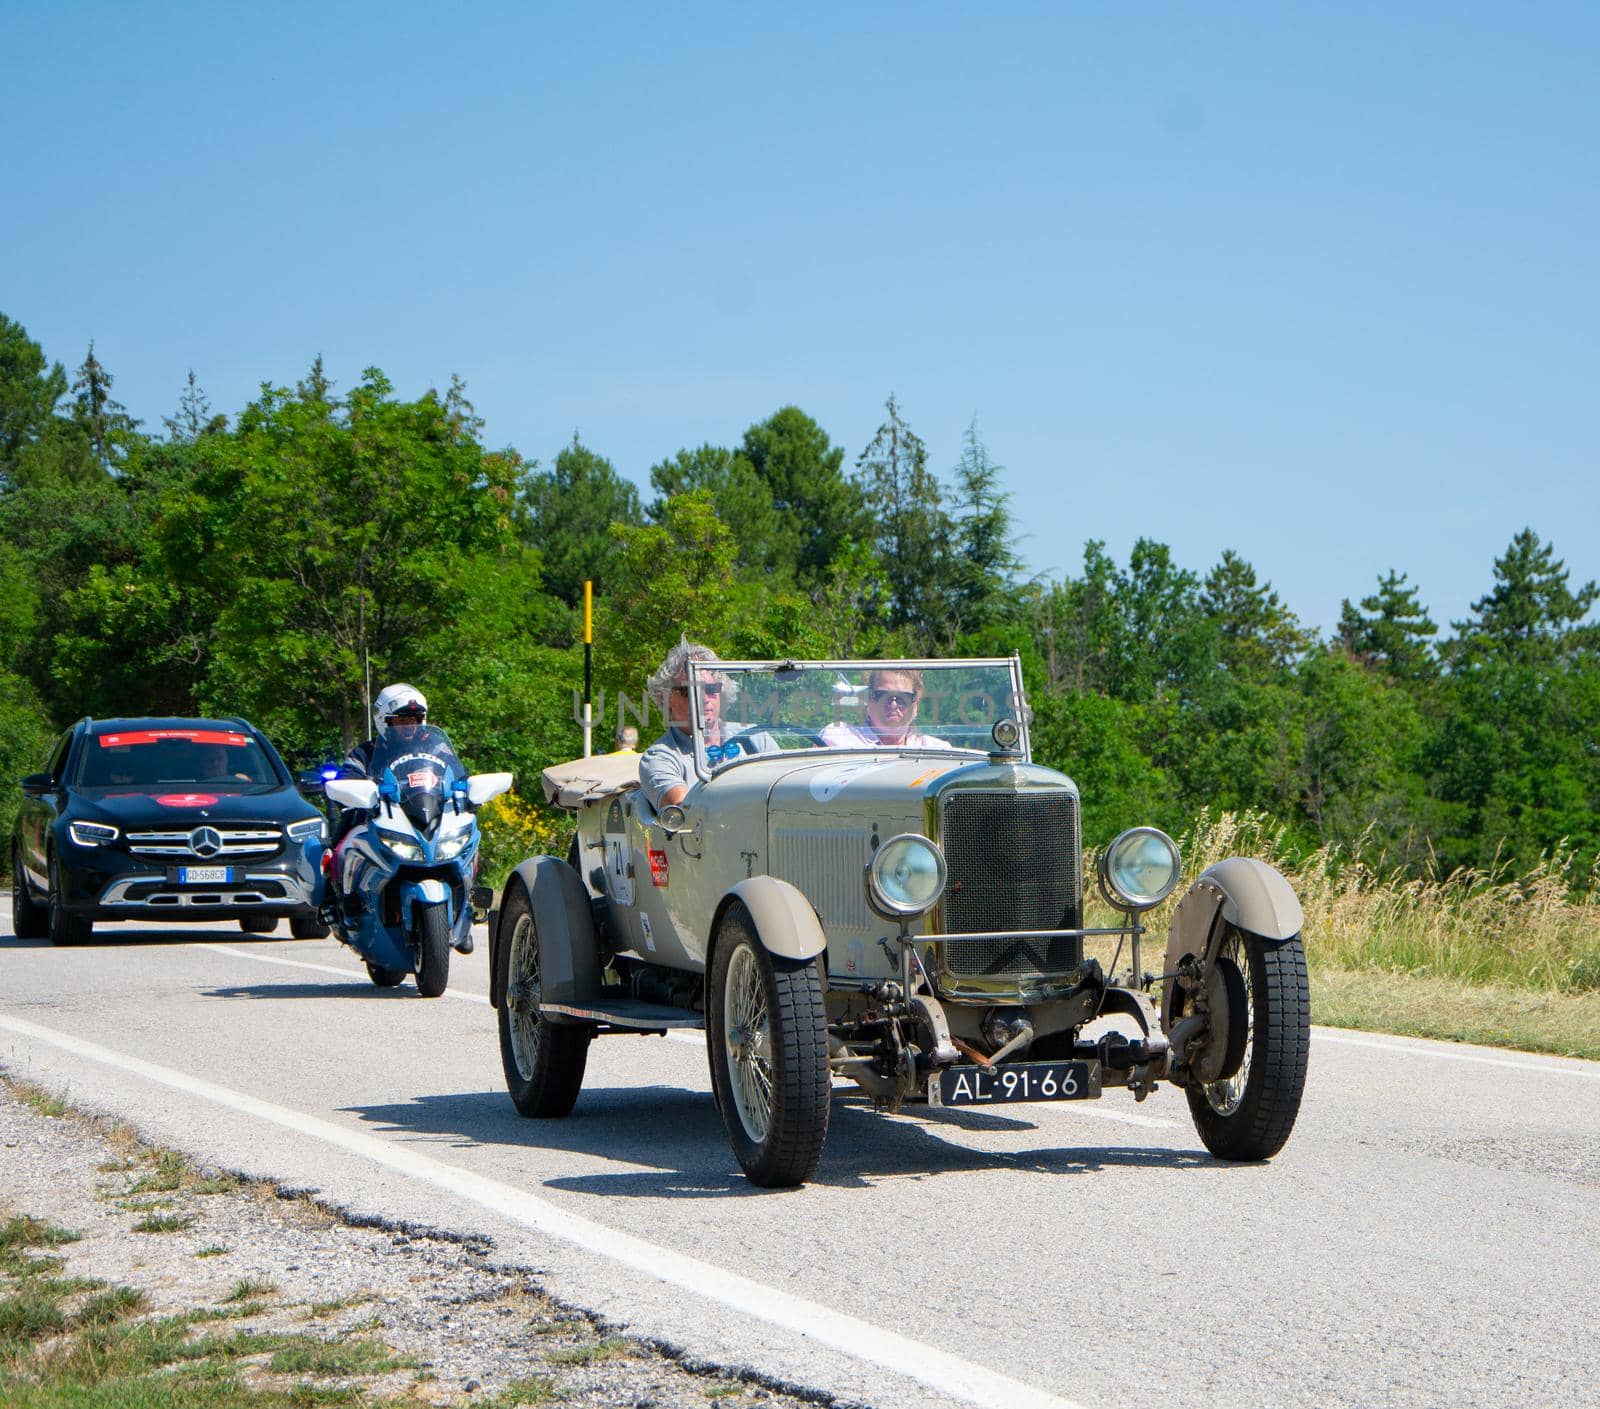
{"points": [[405, 878]]}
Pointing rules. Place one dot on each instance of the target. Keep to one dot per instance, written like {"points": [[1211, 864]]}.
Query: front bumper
{"points": [[114, 886]]}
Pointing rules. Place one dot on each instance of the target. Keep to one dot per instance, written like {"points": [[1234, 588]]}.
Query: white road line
{"points": [[1590, 1071], [926, 1364]]}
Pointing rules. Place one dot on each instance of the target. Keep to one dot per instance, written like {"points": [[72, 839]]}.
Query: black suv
{"points": [[164, 819]]}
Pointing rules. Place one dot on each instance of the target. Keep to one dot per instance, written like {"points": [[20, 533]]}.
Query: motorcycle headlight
{"points": [[906, 876], [406, 848], [452, 846], [303, 831], [91, 833], [1139, 868]]}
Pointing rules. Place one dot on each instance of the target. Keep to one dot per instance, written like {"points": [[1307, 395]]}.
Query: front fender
{"points": [[785, 922], [569, 953], [1247, 894], [424, 892]]}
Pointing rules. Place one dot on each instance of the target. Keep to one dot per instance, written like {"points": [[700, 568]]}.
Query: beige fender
{"points": [[785, 921], [1247, 894]]}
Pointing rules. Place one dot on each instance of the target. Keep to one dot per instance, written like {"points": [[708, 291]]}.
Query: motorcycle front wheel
{"points": [[431, 943]]}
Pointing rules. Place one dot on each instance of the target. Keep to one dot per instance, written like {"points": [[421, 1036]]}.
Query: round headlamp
{"points": [[1007, 735], [1139, 868], [906, 876]]}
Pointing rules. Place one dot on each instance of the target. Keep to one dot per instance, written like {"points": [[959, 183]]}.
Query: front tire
{"points": [[29, 919], [543, 1061], [258, 926], [64, 927], [1248, 1116], [768, 1035], [432, 930]]}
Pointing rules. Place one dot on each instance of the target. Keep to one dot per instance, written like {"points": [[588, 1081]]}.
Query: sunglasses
{"points": [[402, 719], [704, 689], [899, 698]]}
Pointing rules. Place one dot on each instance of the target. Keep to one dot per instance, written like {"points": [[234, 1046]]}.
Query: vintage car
{"points": [[898, 907]]}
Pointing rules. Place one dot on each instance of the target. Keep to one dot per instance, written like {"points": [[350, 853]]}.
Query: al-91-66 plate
{"points": [[1015, 1081]]}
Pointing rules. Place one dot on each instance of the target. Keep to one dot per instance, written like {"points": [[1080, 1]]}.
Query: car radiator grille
{"points": [[207, 843], [1015, 864]]}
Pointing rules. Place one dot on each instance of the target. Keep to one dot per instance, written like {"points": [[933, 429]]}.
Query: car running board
{"points": [[630, 1014]]}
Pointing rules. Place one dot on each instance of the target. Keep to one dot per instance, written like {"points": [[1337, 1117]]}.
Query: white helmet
{"points": [[398, 699]]}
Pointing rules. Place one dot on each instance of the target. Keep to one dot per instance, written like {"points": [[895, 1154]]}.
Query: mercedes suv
{"points": [[170, 820]]}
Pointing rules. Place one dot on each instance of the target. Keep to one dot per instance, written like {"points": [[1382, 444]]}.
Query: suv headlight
{"points": [[905, 877], [1139, 868], [303, 831], [452, 846], [91, 833], [406, 848]]}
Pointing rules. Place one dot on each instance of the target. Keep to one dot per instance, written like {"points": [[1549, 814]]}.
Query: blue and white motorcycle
{"points": [[406, 874]]}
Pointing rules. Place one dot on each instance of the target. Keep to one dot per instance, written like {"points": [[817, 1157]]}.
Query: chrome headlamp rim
{"points": [[1136, 904], [884, 904]]}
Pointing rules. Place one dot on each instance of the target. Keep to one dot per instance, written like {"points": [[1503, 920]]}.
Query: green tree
{"points": [[1391, 632], [1530, 614], [913, 530], [104, 420], [767, 541], [1258, 632], [986, 561], [819, 509], [572, 507], [193, 418]]}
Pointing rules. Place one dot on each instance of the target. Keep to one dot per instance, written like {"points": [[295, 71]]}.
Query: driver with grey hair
{"points": [[666, 768]]}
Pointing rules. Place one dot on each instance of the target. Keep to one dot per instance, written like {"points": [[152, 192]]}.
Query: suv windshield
{"points": [[221, 759], [743, 708]]}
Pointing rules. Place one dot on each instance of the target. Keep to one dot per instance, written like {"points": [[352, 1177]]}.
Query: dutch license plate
{"points": [[1019, 1081], [204, 875]]}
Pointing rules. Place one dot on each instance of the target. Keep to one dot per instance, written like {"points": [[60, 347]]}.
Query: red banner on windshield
{"points": [[153, 736]]}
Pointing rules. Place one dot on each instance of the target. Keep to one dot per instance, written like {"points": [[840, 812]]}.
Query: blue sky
{"points": [[1314, 282]]}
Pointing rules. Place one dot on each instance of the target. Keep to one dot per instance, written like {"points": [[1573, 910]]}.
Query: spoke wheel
{"points": [[543, 1061], [29, 919], [431, 943], [1248, 1115], [767, 1032]]}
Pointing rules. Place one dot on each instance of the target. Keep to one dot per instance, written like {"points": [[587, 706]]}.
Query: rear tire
{"points": [[543, 1061], [385, 978], [1249, 1115], [308, 927], [63, 927], [768, 1034], [29, 919], [432, 930]]}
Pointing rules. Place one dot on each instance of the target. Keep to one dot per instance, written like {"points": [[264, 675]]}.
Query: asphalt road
{"points": [[1430, 1235]]}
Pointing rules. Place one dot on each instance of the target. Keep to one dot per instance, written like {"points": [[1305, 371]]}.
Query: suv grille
{"points": [[205, 843], [1015, 864]]}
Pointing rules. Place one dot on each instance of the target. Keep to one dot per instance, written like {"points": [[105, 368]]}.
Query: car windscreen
{"points": [[744, 708], [223, 760]]}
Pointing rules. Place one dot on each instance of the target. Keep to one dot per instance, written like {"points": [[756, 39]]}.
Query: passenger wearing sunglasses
{"points": [[892, 700], [666, 768]]}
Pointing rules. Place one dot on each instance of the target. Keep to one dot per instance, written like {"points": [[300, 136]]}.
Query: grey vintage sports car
{"points": [[870, 881]]}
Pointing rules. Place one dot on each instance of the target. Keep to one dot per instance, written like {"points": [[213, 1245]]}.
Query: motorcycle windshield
{"points": [[424, 767]]}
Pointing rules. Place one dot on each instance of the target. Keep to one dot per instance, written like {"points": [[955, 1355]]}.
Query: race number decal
{"points": [[658, 869]]}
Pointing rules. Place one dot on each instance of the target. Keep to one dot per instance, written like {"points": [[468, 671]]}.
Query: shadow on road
{"points": [[680, 1134], [333, 988], [111, 936]]}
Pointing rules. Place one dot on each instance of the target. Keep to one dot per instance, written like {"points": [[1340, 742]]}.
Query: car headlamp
{"points": [[304, 831], [91, 833], [406, 848], [905, 877], [1139, 868], [452, 846]]}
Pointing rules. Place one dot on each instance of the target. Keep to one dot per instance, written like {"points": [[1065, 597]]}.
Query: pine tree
{"points": [[103, 419], [1258, 631], [1531, 614], [986, 560], [193, 418], [1390, 633]]}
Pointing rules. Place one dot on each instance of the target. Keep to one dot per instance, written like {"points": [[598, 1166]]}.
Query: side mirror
{"points": [[353, 792], [483, 786], [38, 785]]}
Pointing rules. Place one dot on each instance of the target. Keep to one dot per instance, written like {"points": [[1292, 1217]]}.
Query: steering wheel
{"points": [[737, 742]]}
